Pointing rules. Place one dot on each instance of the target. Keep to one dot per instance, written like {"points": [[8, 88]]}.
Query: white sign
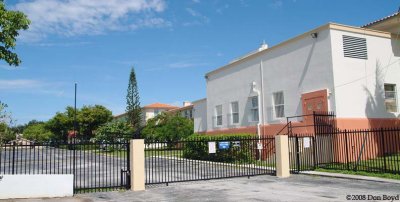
{"points": [[259, 146], [306, 142], [36, 186], [211, 147]]}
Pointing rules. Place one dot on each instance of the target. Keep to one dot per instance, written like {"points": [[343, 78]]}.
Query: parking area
{"points": [[260, 188], [92, 168]]}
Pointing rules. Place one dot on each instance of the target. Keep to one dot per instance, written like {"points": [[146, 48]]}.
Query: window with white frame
{"points": [[254, 108], [156, 112], [218, 112], [235, 112], [279, 104], [390, 97]]}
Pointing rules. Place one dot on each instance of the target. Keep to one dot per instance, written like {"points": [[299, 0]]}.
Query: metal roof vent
{"points": [[263, 46]]}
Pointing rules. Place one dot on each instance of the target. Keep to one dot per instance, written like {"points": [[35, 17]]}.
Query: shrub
{"points": [[196, 148]]}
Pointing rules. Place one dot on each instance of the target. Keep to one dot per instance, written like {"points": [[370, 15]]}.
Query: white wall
{"points": [[358, 87], [35, 186], [294, 68], [200, 115]]}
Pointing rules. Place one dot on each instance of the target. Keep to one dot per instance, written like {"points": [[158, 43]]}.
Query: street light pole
{"points": [[75, 112]]}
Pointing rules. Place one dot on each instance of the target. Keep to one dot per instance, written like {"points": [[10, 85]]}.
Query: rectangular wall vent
{"points": [[355, 47]]}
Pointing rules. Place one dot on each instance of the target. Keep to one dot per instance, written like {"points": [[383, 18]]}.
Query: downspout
{"points": [[262, 121], [259, 120]]}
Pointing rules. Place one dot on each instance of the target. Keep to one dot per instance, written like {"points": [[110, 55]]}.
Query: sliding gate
{"points": [[96, 166], [204, 159]]}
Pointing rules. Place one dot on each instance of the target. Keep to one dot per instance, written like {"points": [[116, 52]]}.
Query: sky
{"points": [[171, 44]]}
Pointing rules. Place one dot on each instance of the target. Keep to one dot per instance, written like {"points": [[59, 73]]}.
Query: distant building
{"points": [[185, 111], [148, 112]]}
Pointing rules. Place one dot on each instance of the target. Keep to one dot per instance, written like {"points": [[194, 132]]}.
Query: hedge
{"points": [[196, 147]]}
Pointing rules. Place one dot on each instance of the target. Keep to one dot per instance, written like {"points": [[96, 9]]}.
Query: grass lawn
{"points": [[172, 153], [371, 174], [148, 153], [372, 165]]}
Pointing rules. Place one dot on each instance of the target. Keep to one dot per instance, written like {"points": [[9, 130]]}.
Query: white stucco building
{"points": [[148, 112], [352, 71]]}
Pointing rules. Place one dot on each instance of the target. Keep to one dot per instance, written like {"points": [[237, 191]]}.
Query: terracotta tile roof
{"points": [[181, 108], [160, 106], [382, 19]]}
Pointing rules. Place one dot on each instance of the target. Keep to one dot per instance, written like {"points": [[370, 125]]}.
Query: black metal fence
{"points": [[96, 166], [301, 153], [372, 150], [201, 159]]}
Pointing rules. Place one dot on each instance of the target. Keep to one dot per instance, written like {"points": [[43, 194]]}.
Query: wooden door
{"points": [[314, 101]]}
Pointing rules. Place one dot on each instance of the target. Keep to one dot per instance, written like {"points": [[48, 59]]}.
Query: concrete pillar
{"points": [[137, 165], [282, 156]]}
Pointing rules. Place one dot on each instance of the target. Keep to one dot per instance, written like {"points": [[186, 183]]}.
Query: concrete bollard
{"points": [[137, 165], [282, 156]]}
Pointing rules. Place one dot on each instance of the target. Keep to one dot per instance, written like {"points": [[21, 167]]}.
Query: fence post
{"points": [[13, 158], [137, 165], [383, 149], [347, 149], [282, 156], [297, 154]]}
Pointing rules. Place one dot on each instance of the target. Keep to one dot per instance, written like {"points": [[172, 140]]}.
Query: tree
{"points": [[133, 108], [5, 116], [37, 132], [113, 131], [91, 117], [11, 22], [6, 134], [168, 127], [60, 124]]}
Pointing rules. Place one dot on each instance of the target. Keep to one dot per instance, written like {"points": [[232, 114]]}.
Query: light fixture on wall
{"points": [[314, 35]]}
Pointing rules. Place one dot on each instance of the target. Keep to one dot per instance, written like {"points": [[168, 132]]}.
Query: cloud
{"points": [[88, 17], [31, 86], [200, 19], [221, 9], [64, 44], [276, 4], [19, 84], [184, 64]]}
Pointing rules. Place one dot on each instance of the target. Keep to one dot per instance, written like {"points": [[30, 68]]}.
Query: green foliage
{"points": [[37, 132], [5, 116], [133, 108], [61, 123], [6, 134], [168, 127], [113, 131], [89, 118], [11, 22], [197, 148]]}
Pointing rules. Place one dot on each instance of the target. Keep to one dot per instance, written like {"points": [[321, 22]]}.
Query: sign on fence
{"points": [[236, 144], [306, 142], [211, 147], [223, 145]]}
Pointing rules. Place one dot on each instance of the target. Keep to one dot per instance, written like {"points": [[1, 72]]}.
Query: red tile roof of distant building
{"points": [[160, 106]]}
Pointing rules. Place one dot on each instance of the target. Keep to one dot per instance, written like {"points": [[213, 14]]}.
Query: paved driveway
{"points": [[260, 188], [92, 169]]}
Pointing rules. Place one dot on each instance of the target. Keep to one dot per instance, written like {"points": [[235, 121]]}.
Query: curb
{"points": [[348, 176]]}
